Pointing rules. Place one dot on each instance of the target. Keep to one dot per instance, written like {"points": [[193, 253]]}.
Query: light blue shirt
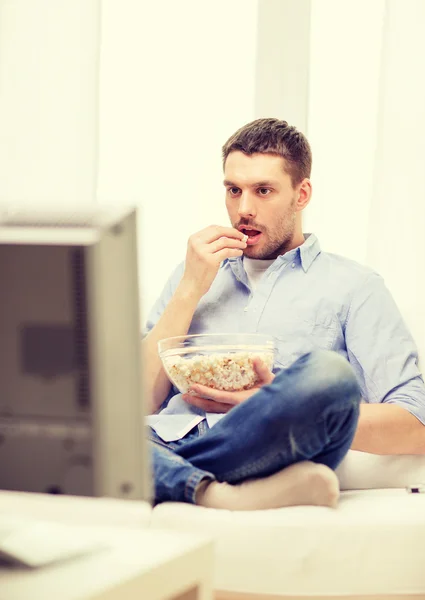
{"points": [[307, 299]]}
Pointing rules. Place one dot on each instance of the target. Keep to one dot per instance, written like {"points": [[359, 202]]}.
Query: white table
{"points": [[137, 562]]}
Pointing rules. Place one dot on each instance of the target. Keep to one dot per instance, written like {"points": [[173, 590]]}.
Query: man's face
{"points": [[260, 198]]}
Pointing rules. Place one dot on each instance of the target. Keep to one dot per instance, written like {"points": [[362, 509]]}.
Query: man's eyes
{"points": [[234, 191]]}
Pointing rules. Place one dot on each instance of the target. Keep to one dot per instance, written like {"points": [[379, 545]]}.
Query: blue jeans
{"points": [[309, 412]]}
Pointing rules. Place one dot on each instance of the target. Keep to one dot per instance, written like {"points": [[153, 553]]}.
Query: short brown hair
{"points": [[272, 136]]}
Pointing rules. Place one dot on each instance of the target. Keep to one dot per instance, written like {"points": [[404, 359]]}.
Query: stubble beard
{"points": [[280, 241]]}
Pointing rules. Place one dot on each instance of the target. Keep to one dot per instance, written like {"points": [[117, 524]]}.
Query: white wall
{"points": [[345, 62], [48, 100], [283, 60], [176, 79]]}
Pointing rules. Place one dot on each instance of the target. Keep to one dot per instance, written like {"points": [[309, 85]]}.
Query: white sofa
{"points": [[372, 545]]}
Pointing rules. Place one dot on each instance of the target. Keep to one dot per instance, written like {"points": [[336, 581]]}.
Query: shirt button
{"points": [[293, 265], [245, 309]]}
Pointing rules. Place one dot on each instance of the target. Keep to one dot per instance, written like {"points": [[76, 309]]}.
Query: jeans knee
{"points": [[331, 366], [325, 376], [333, 373]]}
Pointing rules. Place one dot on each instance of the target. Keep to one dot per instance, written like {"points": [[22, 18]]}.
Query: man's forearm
{"points": [[174, 321], [388, 429]]}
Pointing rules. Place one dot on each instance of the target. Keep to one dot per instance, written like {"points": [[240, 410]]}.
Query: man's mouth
{"points": [[254, 235]]}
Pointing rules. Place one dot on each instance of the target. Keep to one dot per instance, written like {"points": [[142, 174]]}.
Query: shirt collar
{"points": [[307, 252]]}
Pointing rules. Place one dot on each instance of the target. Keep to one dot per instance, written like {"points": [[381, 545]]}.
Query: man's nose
{"points": [[247, 206]]}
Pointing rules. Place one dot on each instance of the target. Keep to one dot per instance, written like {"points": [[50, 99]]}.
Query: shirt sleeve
{"points": [[166, 295], [382, 351]]}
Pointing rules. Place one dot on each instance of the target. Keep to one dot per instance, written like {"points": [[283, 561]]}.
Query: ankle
{"points": [[201, 490]]}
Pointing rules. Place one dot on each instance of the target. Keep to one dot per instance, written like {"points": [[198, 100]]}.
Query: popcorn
{"points": [[232, 371]]}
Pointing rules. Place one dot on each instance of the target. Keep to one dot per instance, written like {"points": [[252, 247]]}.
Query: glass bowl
{"points": [[217, 360]]}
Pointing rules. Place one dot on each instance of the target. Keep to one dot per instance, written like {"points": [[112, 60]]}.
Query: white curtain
{"points": [[176, 78], [396, 242], [126, 101], [131, 100], [366, 123]]}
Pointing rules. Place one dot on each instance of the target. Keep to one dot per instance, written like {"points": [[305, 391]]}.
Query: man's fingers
{"points": [[227, 242], [215, 232], [206, 392], [262, 370], [227, 253], [208, 405]]}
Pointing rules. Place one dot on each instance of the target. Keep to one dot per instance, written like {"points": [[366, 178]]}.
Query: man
{"points": [[340, 338]]}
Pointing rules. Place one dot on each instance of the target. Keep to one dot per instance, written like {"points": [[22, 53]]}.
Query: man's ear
{"points": [[304, 191]]}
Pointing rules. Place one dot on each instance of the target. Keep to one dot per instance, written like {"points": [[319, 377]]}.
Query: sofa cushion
{"points": [[362, 471], [371, 544]]}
